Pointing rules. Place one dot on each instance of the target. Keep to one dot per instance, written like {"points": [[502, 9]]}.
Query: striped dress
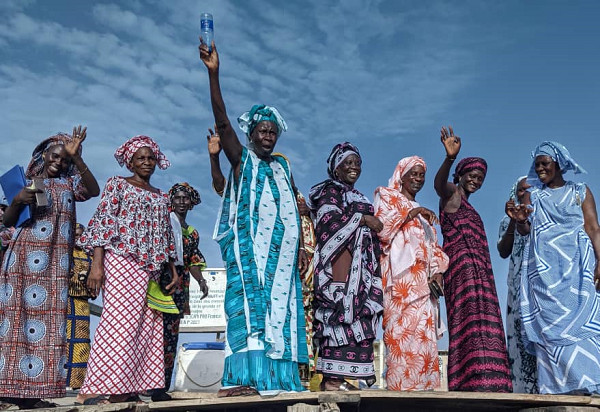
{"points": [[477, 357], [258, 230]]}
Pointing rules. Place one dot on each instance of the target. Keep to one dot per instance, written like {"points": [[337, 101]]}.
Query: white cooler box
{"points": [[200, 366]]}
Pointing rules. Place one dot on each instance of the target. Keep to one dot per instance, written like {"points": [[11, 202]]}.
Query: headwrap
{"points": [[79, 226], [468, 164], [403, 167], [126, 151], [513, 190], [338, 154], [36, 165], [248, 121], [559, 154], [189, 190]]}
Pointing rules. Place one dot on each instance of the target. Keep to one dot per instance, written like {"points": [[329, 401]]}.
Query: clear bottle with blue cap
{"points": [[206, 29]]}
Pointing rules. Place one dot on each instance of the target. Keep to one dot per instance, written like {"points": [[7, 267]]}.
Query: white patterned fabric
{"points": [[560, 307]]}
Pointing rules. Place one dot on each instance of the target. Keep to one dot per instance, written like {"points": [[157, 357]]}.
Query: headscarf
{"points": [[513, 190], [36, 165], [469, 164], [559, 154], [248, 120], [338, 154], [403, 167], [126, 151], [79, 226], [189, 190]]}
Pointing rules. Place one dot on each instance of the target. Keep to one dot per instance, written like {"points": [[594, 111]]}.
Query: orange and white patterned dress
{"points": [[411, 255]]}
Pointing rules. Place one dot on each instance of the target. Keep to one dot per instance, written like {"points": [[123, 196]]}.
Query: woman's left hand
{"points": [[203, 288], [302, 261], [72, 147], [597, 277], [171, 287]]}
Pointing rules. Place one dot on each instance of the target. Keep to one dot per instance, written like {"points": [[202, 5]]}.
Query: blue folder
{"points": [[12, 182]]}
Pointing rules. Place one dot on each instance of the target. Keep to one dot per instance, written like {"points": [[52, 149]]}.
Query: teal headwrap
{"points": [[257, 114]]}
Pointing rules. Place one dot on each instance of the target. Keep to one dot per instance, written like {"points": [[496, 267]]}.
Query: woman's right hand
{"points": [[209, 58], [95, 279], [214, 142], [450, 141], [26, 196], [428, 215], [373, 223]]}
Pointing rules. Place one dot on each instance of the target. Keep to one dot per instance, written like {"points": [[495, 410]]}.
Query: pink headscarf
{"points": [[126, 151], [403, 167]]}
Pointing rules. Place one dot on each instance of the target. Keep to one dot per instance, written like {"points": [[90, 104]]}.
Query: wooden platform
{"points": [[367, 400]]}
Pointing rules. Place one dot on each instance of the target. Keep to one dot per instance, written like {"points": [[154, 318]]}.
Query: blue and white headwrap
{"points": [[514, 190], [248, 121], [559, 154]]}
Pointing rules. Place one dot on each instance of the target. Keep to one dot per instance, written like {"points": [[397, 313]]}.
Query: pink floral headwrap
{"points": [[403, 167], [126, 151]]}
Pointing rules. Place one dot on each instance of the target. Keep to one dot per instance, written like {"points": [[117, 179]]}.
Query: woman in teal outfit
{"points": [[258, 231]]}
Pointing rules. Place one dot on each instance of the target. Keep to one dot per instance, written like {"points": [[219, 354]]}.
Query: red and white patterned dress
{"points": [[133, 227]]}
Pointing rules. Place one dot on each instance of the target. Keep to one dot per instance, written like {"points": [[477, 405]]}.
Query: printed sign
{"points": [[207, 315]]}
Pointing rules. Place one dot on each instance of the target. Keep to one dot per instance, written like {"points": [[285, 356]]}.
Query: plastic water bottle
{"points": [[206, 29]]}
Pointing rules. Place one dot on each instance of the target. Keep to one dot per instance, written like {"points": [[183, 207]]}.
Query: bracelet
{"points": [[84, 171], [451, 158], [522, 222], [301, 248]]}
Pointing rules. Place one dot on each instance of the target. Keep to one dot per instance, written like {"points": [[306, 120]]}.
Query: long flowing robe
{"points": [[34, 293], [522, 363], [347, 314], [411, 255], [133, 227], [477, 356], [560, 306], [258, 230]]}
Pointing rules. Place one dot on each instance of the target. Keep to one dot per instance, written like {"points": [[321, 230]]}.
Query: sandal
{"points": [[7, 406], [95, 400], [237, 391], [343, 386], [130, 397], [161, 396], [42, 404]]}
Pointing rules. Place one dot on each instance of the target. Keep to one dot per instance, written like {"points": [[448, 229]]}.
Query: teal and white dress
{"points": [[258, 230]]}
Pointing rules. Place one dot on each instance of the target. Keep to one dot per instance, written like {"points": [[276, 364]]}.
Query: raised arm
{"points": [[229, 140], [590, 224], [214, 150], [443, 187], [72, 148]]}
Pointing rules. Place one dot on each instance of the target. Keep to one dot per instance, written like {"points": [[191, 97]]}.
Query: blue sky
{"points": [[384, 75]]}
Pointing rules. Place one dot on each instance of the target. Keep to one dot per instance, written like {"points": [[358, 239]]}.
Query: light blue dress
{"points": [[560, 307], [258, 231]]}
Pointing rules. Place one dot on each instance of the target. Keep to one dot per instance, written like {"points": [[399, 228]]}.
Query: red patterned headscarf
{"points": [[126, 151], [36, 165], [468, 164]]}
